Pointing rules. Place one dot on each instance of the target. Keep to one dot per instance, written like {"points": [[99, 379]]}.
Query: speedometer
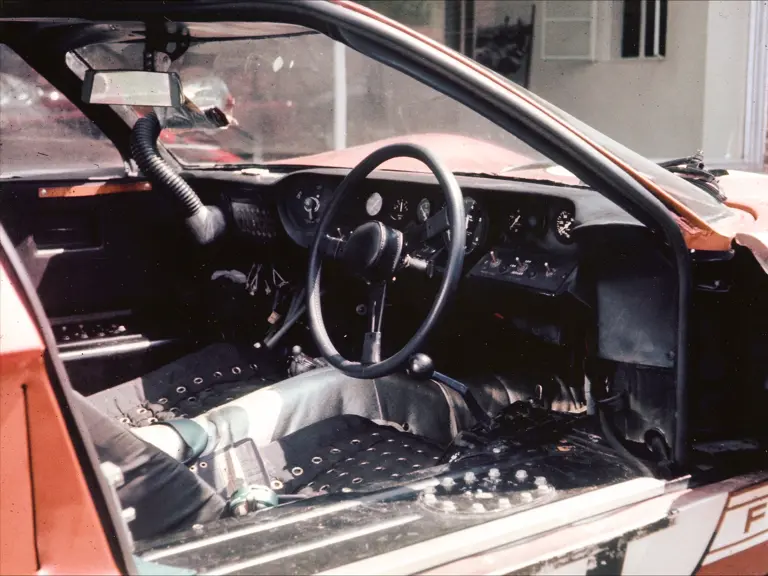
{"points": [[563, 225]]}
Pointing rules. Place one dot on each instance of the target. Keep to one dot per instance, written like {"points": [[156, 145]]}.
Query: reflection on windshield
{"points": [[307, 100], [284, 94]]}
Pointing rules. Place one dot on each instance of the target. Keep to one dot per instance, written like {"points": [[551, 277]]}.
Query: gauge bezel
{"points": [[484, 226], [370, 198], [556, 225]]}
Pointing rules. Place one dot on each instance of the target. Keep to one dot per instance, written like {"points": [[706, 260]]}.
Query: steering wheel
{"points": [[376, 252]]}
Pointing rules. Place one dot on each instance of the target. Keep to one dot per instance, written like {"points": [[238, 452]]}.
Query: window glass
{"points": [[40, 130]]}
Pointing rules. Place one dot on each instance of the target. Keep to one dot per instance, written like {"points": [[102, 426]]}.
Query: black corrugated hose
{"points": [[205, 222]]}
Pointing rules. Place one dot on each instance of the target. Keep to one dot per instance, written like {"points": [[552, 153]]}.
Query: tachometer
{"points": [[373, 204], [563, 225]]}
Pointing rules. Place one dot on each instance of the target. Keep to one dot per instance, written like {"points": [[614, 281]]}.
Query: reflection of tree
{"points": [[408, 12], [504, 48]]}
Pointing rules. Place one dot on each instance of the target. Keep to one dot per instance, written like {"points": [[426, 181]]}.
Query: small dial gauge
{"points": [[423, 210], [515, 222], [564, 225], [399, 209], [373, 204], [308, 203]]}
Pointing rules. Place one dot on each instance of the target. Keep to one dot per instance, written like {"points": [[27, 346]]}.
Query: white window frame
{"points": [[643, 28], [756, 112], [591, 20]]}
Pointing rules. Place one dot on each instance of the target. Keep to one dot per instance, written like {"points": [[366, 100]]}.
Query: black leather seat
{"points": [[340, 454]]}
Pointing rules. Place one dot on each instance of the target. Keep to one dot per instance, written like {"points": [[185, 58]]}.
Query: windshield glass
{"points": [[297, 97]]}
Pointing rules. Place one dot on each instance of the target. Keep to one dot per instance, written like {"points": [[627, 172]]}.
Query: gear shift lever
{"points": [[421, 367]]}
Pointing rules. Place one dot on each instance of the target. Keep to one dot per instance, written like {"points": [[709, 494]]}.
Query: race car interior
{"points": [[472, 323]]}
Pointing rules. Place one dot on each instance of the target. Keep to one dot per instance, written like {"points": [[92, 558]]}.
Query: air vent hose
{"points": [[206, 223]]}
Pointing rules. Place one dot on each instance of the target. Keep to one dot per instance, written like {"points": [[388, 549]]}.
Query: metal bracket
{"points": [[166, 42]]}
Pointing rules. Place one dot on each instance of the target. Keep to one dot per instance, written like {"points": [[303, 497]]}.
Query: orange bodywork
{"points": [[48, 520]]}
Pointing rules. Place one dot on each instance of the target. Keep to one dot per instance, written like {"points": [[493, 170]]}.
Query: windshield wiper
{"points": [[692, 169]]}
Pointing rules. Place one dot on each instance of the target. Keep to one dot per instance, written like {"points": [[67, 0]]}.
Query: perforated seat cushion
{"points": [[339, 454], [217, 374]]}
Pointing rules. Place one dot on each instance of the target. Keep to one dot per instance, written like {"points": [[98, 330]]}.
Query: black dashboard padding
{"points": [[635, 298]]}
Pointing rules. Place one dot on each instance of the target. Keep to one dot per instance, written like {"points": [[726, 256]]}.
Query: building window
{"points": [[644, 29]]}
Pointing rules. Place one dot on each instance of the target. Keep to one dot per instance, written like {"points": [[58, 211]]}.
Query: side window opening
{"points": [[41, 131]]}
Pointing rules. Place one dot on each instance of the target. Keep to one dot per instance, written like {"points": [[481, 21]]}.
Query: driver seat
{"points": [[338, 454], [314, 433]]}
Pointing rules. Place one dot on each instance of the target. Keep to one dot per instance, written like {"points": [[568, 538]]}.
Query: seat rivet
{"points": [[197, 380], [297, 470], [316, 460], [217, 374], [162, 400], [276, 484], [181, 389], [203, 464], [357, 480], [236, 370]]}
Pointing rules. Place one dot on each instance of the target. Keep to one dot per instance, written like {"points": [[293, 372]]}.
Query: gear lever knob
{"points": [[420, 367]]}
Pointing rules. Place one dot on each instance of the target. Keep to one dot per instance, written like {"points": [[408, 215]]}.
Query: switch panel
{"points": [[538, 271]]}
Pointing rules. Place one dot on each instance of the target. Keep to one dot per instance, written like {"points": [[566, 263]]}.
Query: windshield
{"points": [[298, 97]]}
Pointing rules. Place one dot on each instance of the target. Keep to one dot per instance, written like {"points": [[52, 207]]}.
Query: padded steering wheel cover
{"points": [[455, 205]]}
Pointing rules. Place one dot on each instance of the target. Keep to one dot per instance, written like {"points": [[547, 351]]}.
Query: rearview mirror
{"points": [[132, 87]]}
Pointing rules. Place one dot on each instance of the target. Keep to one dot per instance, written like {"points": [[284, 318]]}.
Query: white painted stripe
{"points": [[296, 550], [736, 548], [504, 531], [753, 494], [678, 548], [742, 523]]}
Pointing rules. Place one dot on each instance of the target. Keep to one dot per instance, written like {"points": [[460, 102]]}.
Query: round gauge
{"points": [[373, 204], [307, 203], [563, 225], [399, 209], [423, 210], [475, 225], [515, 221]]}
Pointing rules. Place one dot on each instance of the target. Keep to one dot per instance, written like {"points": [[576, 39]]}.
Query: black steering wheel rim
{"points": [[451, 276]]}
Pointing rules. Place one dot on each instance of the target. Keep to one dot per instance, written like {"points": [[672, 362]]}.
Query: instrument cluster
{"points": [[492, 218]]}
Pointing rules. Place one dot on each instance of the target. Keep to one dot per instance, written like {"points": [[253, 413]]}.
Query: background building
{"points": [[664, 77]]}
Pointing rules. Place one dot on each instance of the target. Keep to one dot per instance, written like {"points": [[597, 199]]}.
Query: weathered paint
{"points": [[52, 493]]}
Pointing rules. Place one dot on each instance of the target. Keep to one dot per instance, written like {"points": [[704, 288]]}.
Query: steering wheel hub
{"points": [[373, 250]]}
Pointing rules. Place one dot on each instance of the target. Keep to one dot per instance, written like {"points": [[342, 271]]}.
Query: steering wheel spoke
{"points": [[377, 296], [331, 247]]}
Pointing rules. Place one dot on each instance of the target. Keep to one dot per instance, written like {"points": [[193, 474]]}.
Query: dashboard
{"points": [[516, 233]]}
